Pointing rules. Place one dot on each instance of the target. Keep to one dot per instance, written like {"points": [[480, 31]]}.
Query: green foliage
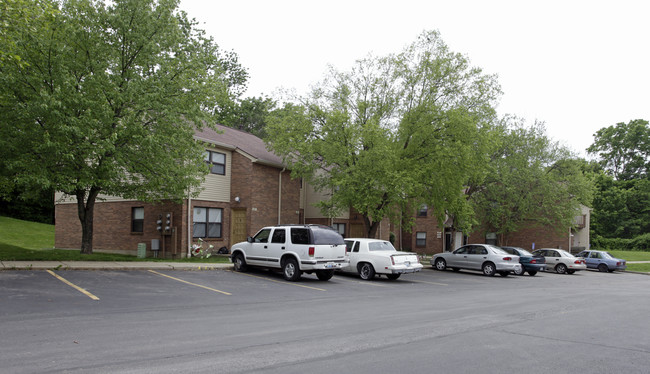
{"points": [[529, 180], [624, 149], [106, 99], [621, 208], [247, 115], [395, 131], [639, 243]]}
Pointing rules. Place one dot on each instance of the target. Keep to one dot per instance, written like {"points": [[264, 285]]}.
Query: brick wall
{"points": [[428, 225], [112, 226]]}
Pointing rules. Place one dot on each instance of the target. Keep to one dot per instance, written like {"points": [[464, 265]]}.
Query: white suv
{"points": [[294, 249]]}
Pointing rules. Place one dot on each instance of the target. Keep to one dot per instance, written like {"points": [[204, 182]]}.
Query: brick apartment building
{"points": [[248, 188]]}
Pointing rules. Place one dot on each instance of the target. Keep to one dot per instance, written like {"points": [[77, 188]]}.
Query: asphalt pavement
{"points": [[110, 265]]}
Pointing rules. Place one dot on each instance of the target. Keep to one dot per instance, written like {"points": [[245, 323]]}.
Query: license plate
{"points": [[329, 265]]}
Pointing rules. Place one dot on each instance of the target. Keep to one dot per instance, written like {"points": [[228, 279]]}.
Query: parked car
{"points": [[483, 257], [368, 257], [603, 261], [529, 262], [561, 261], [294, 249]]}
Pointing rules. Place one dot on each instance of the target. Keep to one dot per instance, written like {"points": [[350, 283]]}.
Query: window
{"points": [[262, 236], [340, 228], [279, 236], [137, 219], [217, 162], [422, 212], [207, 222], [299, 236], [420, 239]]}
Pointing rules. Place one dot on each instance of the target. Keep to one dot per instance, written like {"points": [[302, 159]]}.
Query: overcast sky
{"points": [[578, 66]]}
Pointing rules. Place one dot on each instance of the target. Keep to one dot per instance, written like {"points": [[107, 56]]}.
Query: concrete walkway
{"points": [[109, 265]]}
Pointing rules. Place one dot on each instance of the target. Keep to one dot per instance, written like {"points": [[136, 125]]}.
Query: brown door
{"points": [[357, 231], [238, 226]]}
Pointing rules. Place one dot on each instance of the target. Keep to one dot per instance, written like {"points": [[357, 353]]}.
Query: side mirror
{"points": [[249, 239]]}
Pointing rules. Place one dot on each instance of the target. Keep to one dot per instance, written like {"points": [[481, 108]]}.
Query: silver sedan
{"points": [[483, 257]]}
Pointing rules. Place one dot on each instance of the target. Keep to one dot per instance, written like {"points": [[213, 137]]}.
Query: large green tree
{"points": [[624, 149], [530, 180], [248, 114], [105, 97], [395, 131]]}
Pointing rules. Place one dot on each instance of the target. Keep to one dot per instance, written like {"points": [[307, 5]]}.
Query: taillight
{"points": [[392, 260], [618, 263], [577, 262], [507, 258], [533, 261], [311, 251]]}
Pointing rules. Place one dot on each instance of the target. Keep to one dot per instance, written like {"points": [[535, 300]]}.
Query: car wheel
{"points": [[570, 271], [504, 273], [366, 271], [560, 268], [290, 270], [521, 271], [489, 269], [441, 264], [325, 275], [239, 262], [392, 276], [532, 273], [602, 268]]}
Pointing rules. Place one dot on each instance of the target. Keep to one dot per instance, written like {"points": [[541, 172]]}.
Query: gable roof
{"points": [[247, 144]]}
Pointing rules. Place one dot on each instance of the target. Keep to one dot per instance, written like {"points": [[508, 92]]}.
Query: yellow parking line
{"points": [[364, 282], [74, 286], [272, 280], [190, 283], [437, 284]]}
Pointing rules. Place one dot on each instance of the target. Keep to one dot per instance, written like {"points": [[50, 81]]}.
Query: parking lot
{"points": [[153, 321]]}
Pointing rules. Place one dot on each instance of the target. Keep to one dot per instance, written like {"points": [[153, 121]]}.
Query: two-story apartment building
{"points": [[247, 188]]}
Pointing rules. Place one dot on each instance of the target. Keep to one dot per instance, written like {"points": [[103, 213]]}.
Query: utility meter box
{"points": [[142, 250]]}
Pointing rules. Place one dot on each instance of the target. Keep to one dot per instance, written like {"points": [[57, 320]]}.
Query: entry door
{"points": [[238, 230]]}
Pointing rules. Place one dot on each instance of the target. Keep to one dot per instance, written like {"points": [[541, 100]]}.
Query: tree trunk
{"points": [[370, 227], [85, 210]]}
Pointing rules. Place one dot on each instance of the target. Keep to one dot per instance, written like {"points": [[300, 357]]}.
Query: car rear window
{"points": [[380, 246], [326, 236]]}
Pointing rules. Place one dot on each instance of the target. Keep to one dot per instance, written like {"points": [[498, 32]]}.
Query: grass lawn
{"points": [[31, 241], [634, 256]]}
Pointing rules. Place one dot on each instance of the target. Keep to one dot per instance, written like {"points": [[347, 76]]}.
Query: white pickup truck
{"points": [[373, 256], [295, 249]]}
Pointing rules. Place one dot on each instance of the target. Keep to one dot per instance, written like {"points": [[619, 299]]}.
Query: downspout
{"points": [[280, 196], [189, 225]]}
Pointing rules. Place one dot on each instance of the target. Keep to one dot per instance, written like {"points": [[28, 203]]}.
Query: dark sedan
{"points": [[529, 263]]}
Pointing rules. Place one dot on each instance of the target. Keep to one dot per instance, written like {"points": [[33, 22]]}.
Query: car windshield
{"points": [[327, 236], [380, 246], [607, 255], [524, 252]]}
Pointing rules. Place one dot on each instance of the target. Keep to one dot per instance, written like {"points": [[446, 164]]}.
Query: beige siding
{"points": [[312, 197], [214, 188], [217, 187]]}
